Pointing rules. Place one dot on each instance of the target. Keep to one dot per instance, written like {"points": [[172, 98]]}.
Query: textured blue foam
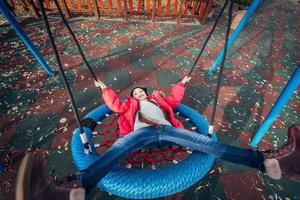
{"points": [[146, 183]]}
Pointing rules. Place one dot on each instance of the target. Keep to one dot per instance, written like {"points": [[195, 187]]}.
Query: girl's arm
{"points": [[111, 98], [177, 92]]}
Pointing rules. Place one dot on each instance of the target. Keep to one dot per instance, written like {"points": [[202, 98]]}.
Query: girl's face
{"points": [[139, 94]]}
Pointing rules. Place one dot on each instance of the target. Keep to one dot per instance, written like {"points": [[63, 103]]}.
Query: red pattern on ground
{"points": [[180, 51], [117, 63], [97, 50], [9, 124], [63, 133], [246, 136], [163, 62], [228, 95], [30, 80], [221, 124], [244, 185], [144, 50], [71, 62], [47, 49], [84, 79], [235, 77], [144, 77], [49, 101], [121, 40]]}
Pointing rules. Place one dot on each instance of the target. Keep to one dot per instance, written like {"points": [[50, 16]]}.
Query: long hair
{"points": [[143, 88]]}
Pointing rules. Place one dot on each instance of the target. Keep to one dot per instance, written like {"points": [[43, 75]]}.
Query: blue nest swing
{"points": [[147, 183]]}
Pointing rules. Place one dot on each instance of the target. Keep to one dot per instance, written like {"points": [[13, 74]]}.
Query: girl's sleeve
{"points": [[113, 102], [177, 93]]}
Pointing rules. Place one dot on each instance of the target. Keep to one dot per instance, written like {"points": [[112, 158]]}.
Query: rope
{"points": [[212, 119], [83, 137], [208, 37], [75, 39]]}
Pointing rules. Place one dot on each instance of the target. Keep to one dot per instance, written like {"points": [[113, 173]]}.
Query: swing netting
{"points": [[107, 132]]}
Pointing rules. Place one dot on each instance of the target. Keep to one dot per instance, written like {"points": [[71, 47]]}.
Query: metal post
{"points": [[4, 10], [236, 33], [286, 93]]}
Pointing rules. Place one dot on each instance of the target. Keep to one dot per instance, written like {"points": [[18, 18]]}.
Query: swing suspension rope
{"points": [[83, 137], [212, 119], [208, 37], [75, 39], [219, 80]]}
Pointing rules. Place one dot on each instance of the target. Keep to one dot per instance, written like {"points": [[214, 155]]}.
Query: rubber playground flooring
{"points": [[35, 111]]}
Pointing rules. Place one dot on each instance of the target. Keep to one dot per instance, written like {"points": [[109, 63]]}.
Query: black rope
{"points": [[208, 37], [62, 73], [212, 119], [75, 39]]}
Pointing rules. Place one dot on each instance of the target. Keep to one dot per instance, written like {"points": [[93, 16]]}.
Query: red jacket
{"points": [[127, 109]]}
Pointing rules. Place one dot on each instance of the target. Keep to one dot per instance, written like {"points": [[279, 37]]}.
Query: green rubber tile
{"points": [[254, 77], [167, 77], [287, 62], [96, 62], [211, 44], [56, 82], [251, 124], [94, 195], [174, 42], [195, 51], [167, 27], [208, 187], [281, 189], [249, 95], [64, 39], [160, 51], [155, 33], [278, 87], [8, 78], [277, 136], [85, 99], [104, 23], [72, 50], [138, 40], [184, 61], [120, 31], [137, 25], [258, 63], [187, 34], [119, 50], [228, 138], [141, 62], [289, 116], [35, 131], [16, 101], [199, 95], [117, 78], [237, 115], [101, 39], [284, 73], [59, 162], [34, 65]]}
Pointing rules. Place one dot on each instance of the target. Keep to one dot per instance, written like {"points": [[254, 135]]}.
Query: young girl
{"points": [[149, 119]]}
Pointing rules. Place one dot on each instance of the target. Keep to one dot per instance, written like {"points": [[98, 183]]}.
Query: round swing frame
{"points": [[147, 183]]}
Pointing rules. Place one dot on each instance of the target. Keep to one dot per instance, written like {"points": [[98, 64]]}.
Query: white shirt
{"points": [[150, 111]]}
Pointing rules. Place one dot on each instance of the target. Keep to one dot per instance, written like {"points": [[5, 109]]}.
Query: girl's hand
{"points": [[186, 79], [100, 84]]}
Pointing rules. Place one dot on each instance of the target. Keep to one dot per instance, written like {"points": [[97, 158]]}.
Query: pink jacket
{"points": [[127, 109]]}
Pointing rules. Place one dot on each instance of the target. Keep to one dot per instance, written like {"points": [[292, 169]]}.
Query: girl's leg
{"points": [[111, 158], [205, 144]]}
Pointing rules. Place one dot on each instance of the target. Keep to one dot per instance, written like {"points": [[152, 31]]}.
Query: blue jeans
{"points": [[165, 135]]}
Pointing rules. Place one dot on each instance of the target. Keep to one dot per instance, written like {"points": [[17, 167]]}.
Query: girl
{"points": [[149, 119]]}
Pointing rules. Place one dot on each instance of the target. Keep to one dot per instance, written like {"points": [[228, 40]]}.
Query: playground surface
{"points": [[35, 111]]}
